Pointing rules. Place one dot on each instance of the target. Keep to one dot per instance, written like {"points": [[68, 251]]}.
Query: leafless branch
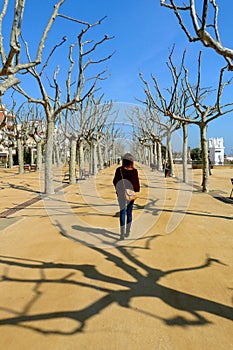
{"points": [[51, 53], [8, 68], [10, 62], [82, 22], [200, 25]]}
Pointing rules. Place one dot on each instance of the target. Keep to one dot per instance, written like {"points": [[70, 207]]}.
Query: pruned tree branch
{"points": [[200, 25]]}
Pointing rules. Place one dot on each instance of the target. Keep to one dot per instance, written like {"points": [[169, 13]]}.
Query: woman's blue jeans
{"points": [[126, 214]]}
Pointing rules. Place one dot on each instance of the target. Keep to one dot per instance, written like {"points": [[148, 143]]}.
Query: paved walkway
{"points": [[67, 282]]}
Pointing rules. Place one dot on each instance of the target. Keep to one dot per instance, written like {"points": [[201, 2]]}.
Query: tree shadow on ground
{"points": [[154, 209], [145, 281], [226, 200], [192, 213], [96, 231], [25, 187]]}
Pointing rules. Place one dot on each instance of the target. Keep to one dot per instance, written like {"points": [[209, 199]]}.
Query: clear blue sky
{"points": [[144, 31]]}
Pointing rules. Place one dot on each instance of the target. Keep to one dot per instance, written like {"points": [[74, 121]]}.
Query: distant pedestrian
{"points": [[167, 169], [126, 178]]}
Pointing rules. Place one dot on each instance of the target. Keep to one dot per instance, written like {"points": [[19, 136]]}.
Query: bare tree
{"points": [[7, 133], [172, 104], [37, 131], [102, 127], [11, 61], [14, 133], [158, 106], [202, 113], [20, 130], [85, 125], [204, 24], [112, 145], [53, 105], [95, 135], [187, 105], [150, 134]]}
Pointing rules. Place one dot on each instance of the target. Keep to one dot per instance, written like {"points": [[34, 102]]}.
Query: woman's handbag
{"points": [[130, 195]]}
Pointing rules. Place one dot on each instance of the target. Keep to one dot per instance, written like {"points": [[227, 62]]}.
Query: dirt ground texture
{"points": [[67, 282]]}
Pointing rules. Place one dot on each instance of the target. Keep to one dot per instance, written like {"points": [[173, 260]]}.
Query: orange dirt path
{"points": [[67, 282]]}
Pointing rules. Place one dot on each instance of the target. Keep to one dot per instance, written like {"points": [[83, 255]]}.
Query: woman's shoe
{"points": [[122, 237], [127, 234]]}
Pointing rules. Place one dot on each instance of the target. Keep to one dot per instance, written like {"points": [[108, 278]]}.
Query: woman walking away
{"points": [[126, 179]]}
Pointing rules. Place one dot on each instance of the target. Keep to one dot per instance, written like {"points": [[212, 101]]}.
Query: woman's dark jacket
{"points": [[131, 180]]}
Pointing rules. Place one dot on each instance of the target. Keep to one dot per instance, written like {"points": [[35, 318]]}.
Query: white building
{"points": [[216, 150]]}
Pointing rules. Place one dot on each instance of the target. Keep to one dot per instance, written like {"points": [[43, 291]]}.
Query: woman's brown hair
{"points": [[128, 160]]}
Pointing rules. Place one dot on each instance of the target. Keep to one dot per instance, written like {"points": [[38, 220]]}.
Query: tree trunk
{"points": [[189, 154], [10, 157], [105, 155], [72, 165], [113, 154], [185, 152], [20, 156], [170, 156], [154, 161], [49, 186], [94, 159], [145, 155], [109, 157], [32, 155], [205, 164], [90, 158], [150, 155], [65, 153], [81, 158], [159, 157], [38, 156], [100, 155], [57, 154]]}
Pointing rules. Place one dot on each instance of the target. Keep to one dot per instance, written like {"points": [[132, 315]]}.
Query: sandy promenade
{"points": [[68, 283]]}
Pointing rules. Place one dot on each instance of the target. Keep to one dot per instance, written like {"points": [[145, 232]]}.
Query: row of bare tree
{"points": [[185, 102], [67, 110], [83, 139], [199, 21], [67, 107]]}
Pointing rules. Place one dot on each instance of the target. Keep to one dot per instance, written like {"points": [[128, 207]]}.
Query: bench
{"points": [[33, 167], [26, 167], [66, 177]]}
